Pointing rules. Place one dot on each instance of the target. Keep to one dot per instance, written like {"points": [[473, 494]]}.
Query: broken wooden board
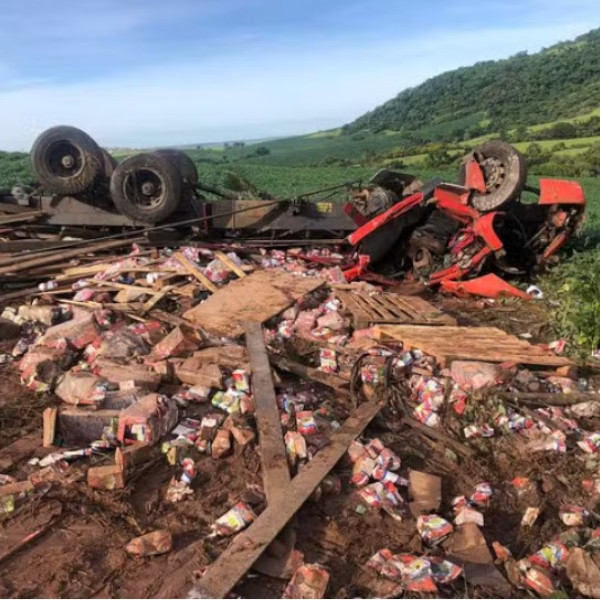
{"points": [[257, 298], [276, 473], [230, 264], [19, 450], [335, 381], [193, 270], [222, 575], [488, 344], [384, 307]]}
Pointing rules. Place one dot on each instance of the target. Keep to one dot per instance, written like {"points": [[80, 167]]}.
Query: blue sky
{"points": [[158, 72]]}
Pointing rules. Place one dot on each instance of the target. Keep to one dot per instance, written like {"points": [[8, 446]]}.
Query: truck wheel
{"points": [[109, 163], [183, 163], [146, 187], [504, 171], [66, 160]]}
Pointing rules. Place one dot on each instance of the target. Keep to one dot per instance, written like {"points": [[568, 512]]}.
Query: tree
{"points": [[562, 131]]}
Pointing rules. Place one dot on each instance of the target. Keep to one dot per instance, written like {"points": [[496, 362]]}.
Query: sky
{"points": [[142, 73]]}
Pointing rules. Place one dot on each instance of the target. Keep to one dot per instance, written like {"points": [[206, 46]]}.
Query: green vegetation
{"points": [[286, 182], [574, 287], [558, 82], [324, 149], [15, 168]]}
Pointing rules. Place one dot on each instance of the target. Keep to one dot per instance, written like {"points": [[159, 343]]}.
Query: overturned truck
{"points": [[441, 233]]}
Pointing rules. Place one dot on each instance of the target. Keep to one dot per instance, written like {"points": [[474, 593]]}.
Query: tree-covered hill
{"points": [[557, 82]]}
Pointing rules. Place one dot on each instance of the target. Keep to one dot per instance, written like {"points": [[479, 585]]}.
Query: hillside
{"points": [[555, 83]]}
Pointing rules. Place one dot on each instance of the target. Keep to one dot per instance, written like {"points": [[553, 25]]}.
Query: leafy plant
{"points": [[576, 287]]}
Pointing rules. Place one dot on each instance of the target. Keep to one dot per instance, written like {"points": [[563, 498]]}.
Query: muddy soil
{"points": [[79, 551]]}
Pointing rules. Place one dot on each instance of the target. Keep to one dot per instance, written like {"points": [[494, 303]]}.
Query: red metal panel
{"points": [[455, 271], [487, 286], [355, 214], [391, 213], [484, 228], [452, 205], [559, 191], [474, 178]]}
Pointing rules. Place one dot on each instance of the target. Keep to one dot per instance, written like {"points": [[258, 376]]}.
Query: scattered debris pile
{"points": [[198, 362]]}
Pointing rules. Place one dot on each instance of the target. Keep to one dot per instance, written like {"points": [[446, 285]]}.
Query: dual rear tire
{"points": [[147, 187]]}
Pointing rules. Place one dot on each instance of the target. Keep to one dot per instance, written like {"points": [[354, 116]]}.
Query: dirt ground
{"points": [[79, 550]]}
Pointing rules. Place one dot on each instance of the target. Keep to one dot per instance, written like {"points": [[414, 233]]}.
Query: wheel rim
{"points": [[145, 188], [65, 159], [494, 173], [422, 261]]}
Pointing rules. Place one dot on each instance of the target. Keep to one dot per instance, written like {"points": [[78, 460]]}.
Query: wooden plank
{"points": [[547, 398], [441, 330], [122, 286], [420, 311], [377, 310], [482, 343], [168, 279], [230, 264], [387, 307], [331, 380], [361, 319], [165, 317], [156, 298], [469, 343], [415, 305], [393, 306], [522, 359], [276, 473], [19, 450], [18, 265], [26, 216], [222, 575], [49, 417], [195, 271], [257, 298]]}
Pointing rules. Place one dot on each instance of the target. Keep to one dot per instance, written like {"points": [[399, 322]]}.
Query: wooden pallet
{"points": [[257, 298], [488, 344], [369, 309]]}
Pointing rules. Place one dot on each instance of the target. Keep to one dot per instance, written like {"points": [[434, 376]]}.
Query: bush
{"points": [[576, 283]]}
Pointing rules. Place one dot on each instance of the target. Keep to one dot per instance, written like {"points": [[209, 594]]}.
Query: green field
{"points": [[287, 182], [310, 150], [290, 181]]}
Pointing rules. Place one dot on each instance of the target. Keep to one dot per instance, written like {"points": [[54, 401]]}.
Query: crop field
{"points": [[286, 182], [312, 149], [290, 181]]}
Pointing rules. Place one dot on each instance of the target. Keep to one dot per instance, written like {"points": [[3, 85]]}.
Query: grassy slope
{"points": [[312, 149]]}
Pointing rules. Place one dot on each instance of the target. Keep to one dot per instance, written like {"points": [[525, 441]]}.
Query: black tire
{"points": [[184, 164], [505, 174], [66, 160], [109, 163], [146, 187]]}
